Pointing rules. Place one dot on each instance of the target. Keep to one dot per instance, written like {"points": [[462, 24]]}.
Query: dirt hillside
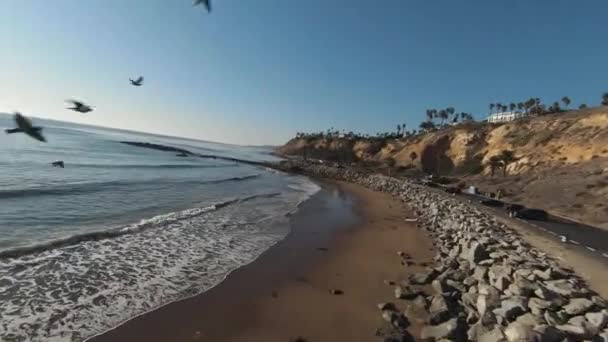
{"points": [[562, 159]]}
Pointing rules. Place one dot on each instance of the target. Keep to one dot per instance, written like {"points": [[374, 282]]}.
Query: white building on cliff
{"points": [[506, 116]]}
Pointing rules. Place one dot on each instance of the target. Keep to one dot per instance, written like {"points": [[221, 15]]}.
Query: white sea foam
{"points": [[76, 291]]}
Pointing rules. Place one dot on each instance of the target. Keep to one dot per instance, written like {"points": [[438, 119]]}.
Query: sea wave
{"points": [[154, 222], [151, 166], [92, 187]]}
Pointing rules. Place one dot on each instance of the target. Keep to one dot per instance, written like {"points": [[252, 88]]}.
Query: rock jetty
{"points": [[487, 283]]}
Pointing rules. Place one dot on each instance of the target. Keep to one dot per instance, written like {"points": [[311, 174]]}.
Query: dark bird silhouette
{"points": [[58, 163], [79, 106], [207, 4], [24, 125], [138, 82]]}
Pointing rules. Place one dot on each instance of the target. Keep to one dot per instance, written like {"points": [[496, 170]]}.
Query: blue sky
{"points": [[255, 72]]}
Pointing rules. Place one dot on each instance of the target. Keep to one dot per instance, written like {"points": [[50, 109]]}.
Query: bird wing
{"points": [[22, 121], [75, 103], [206, 2], [37, 134], [140, 79]]}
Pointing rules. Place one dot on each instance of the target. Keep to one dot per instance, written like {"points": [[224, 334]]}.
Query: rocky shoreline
{"points": [[487, 284]]}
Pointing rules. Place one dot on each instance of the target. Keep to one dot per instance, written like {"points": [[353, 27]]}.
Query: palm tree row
{"points": [[444, 115]]}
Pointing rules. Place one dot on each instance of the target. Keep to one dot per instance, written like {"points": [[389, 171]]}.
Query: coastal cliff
{"points": [[561, 160]]}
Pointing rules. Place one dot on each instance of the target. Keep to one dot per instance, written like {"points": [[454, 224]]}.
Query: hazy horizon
{"points": [[255, 73]]}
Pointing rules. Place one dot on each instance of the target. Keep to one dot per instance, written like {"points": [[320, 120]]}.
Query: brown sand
{"points": [[284, 294]]}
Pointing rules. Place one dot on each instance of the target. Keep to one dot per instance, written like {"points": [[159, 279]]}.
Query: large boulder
{"points": [[577, 332], [511, 308], [564, 288], [538, 306], [416, 310], [549, 333], [476, 253], [444, 330], [518, 332], [597, 319], [423, 278], [578, 306], [406, 292]]}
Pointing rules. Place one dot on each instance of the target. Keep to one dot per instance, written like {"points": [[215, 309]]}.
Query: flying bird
{"points": [[58, 163], [207, 4], [79, 106], [24, 125], [138, 82]]}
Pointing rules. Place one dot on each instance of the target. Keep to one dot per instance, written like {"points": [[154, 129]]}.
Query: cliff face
{"points": [[562, 159]]}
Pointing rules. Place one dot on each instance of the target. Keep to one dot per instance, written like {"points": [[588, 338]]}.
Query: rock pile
{"points": [[487, 283]]}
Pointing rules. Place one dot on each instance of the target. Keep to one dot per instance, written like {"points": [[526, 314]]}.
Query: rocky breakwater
{"points": [[487, 283]]}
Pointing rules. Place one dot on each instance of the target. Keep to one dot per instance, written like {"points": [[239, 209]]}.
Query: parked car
{"points": [[513, 208], [492, 203], [452, 190], [532, 214]]}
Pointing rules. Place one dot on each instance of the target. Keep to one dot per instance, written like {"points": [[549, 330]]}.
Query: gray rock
{"points": [[548, 333], [438, 304], [487, 303], [444, 330], [556, 318], [454, 285], [538, 306], [575, 331], [522, 287], [544, 275], [530, 320], [599, 301], [406, 292], [517, 332], [598, 320], [395, 318], [563, 287], [387, 306], [440, 287], [417, 311], [469, 281], [494, 335], [476, 253], [601, 337], [511, 308], [423, 277], [469, 301], [501, 283], [578, 306]]}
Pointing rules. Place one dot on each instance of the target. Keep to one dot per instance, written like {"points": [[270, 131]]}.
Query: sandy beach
{"points": [[344, 238]]}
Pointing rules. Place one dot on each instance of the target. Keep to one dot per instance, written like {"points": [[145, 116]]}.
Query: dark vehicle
{"points": [[452, 190], [491, 203], [430, 184], [512, 209], [532, 214]]}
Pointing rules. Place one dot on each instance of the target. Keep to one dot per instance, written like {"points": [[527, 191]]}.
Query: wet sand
{"points": [[345, 238]]}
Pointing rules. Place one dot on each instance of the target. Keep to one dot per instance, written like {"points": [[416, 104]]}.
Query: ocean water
{"points": [[121, 229]]}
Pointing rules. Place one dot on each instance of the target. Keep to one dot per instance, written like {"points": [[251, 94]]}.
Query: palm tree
{"points": [[605, 99], [566, 101], [443, 114], [512, 106], [556, 108], [504, 108], [491, 108], [506, 157], [429, 114], [403, 128], [398, 129], [494, 163], [582, 106], [520, 106], [450, 111], [498, 107]]}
